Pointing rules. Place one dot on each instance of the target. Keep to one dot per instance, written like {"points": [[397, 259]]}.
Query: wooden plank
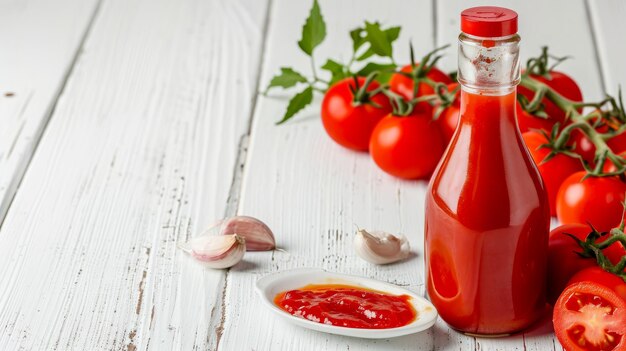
{"points": [[138, 156], [607, 18], [312, 192], [40, 40], [537, 28]]}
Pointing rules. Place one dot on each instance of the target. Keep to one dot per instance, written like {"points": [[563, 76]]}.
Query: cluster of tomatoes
{"points": [[589, 302], [410, 146], [574, 197], [406, 146]]}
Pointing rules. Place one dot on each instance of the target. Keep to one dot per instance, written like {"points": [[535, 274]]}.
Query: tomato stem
{"points": [[581, 122]]}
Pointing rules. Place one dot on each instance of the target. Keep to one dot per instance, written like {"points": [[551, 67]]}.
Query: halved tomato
{"points": [[590, 315]]}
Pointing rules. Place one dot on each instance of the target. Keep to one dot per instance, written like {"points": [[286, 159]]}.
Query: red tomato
{"points": [[407, 147], [618, 143], [404, 85], [609, 166], [449, 118], [448, 121], [562, 84], [350, 124], [564, 260], [528, 122], [595, 200], [553, 171], [583, 146], [590, 315]]}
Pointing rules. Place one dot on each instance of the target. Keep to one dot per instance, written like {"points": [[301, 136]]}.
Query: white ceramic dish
{"points": [[270, 285]]}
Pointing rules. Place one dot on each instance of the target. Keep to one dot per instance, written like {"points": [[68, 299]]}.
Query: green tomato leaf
{"points": [[358, 39], [378, 40], [336, 70], [373, 66], [367, 54], [286, 79], [385, 70], [332, 66], [297, 103], [392, 34], [313, 31]]}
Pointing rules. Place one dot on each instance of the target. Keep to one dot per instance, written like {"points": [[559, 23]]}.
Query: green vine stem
{"points": [[581, 122], [593, 249]]}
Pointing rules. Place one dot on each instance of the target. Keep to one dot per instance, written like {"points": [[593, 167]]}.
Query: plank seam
{"points": [[232, 202], [594, 41], [435, 37], [50, 112]]}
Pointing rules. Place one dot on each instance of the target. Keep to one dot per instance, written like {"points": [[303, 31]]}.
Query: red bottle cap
{"points": [[489, 21]]}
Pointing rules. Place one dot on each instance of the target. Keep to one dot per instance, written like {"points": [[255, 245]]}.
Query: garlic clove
{"points": [[216, 251], [381, 248], [258, 235]]}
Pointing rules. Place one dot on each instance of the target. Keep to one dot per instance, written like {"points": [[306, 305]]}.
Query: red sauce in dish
{"points": [[347, 306]]}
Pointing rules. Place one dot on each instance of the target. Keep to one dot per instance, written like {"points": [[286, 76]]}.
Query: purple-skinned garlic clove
{"points": [[381, 248], [258, 235], [216, 251]]}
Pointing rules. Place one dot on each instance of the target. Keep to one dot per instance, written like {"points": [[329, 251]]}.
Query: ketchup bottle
{"points": [[487, 213]]}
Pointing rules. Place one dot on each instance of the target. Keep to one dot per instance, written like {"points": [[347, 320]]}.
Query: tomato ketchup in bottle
{"points": [[487, 213]]}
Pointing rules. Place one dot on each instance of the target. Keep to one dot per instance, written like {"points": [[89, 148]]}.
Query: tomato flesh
{"points": [[347, 306], [590, 317]]}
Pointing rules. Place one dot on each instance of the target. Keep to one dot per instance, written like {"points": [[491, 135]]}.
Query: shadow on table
{"points": [[245, 266]]}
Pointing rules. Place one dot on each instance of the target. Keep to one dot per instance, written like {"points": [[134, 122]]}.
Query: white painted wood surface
{"points": [[609, 26], [39, 40], [319, 191], [139, 154], [146, 147]]}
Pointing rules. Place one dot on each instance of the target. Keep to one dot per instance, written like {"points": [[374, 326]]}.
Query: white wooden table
{"points": [[128, 126]]}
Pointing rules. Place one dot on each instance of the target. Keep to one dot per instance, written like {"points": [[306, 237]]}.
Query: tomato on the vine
{"points": [[617, 143], [590, 315], [609, 166], [408, 147], [553, 171], [449, 118], [562, 84], [594, 200], [404, 85], [583, 146], [349, 122], [563, 256], [528, 122]]}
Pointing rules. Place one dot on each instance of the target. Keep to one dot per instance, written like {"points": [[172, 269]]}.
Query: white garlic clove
{"points": [[216, 251], [380, 247], [258, 235]]}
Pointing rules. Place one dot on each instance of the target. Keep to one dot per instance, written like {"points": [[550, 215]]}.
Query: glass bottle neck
{"points": [[489, 66], [486, 111]]}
